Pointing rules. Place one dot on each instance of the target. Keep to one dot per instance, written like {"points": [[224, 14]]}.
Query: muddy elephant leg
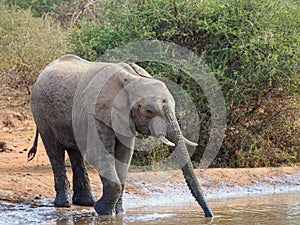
{"points": [[56, 154], [102, 158], [111, 193], [123, 156], [81, 183]]}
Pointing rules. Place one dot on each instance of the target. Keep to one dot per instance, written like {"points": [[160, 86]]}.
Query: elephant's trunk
{"points": [[190, 177], [183, 158]]}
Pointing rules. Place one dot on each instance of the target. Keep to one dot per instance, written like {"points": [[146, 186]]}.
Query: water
{"points": [[275, 209]]}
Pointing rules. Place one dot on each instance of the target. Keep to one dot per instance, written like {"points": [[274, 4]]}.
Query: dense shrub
{"points": [[27, 45], [252, 47]]}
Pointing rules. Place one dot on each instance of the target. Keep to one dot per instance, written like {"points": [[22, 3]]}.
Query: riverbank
{"points": [[22, 181]]}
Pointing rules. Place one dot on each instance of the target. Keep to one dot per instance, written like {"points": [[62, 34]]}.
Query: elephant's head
{"points": [[144, 104]]}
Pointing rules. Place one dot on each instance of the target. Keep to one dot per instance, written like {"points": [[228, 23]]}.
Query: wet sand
{"points": [[22, 181]]}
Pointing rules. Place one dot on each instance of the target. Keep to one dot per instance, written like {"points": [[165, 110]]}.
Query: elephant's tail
{"points": [[32, 151]]}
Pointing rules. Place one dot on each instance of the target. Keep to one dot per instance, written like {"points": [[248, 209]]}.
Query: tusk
{"points": [[166, 141], [188, 142]]}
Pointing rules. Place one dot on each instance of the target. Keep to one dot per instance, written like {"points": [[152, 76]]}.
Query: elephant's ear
{"points": [[113, 106], [139, 70]]}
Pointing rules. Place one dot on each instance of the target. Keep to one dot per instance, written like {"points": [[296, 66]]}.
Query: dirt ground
{"points": [[22, 181]]}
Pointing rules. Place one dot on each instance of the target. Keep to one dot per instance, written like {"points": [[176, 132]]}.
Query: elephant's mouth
{"points": [[143, 129]]}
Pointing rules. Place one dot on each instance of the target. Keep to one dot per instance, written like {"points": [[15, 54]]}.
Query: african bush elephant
{"points": [[124, 100]]}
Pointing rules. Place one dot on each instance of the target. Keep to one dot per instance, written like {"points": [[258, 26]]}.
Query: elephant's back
{"points": [[57, 83], [59, 80], [52, 95]]}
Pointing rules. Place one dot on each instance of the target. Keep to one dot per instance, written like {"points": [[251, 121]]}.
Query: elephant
{"points": [[127, 101]]}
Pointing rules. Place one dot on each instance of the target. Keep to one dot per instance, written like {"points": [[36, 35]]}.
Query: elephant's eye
{"points": [[148, 111]]}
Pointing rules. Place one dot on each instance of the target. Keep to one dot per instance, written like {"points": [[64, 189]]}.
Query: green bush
{"points": [[27, 45], [252, 47]]}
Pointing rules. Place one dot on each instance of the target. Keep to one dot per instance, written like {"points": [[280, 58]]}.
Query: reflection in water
{"points": [[279, 209], [120, 219], [276, 209]]}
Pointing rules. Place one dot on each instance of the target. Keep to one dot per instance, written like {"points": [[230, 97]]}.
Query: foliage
{"points": [[249, 48], [252, 47], [149, 152], [27, 45]]}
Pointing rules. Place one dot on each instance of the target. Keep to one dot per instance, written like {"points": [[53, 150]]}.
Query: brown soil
{"points": [[22, 181]]}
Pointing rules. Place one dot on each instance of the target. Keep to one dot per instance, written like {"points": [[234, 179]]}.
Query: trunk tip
{"points": [[208, 214]]}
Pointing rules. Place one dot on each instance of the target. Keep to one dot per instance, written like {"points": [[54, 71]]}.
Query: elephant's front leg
{"points": [[101, 156], [111, 193], [123, 154]]}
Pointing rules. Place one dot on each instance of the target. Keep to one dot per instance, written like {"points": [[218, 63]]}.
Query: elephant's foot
{"points": [[104, 207], [119, 206], [84, 197], [119, 209], [63, 199]]}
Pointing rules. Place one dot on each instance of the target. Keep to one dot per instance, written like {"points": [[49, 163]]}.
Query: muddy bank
{"points": [[35, 182], [169, 188], [22, 181]]}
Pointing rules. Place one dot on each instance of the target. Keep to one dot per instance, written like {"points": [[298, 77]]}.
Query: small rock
{"points": [[5, 148], [19, 116], [34, 205], [4, 194], [38, 197], [8, 123]]}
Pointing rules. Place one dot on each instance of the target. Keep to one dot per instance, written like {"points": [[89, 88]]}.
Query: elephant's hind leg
{"points": [[81, 183], [56, 154]]}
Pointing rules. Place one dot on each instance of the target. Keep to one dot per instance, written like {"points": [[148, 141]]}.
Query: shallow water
{"points": [[275, 209]]}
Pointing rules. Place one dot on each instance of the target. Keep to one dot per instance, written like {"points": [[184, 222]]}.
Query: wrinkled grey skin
{"points": [[123, 93]]}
